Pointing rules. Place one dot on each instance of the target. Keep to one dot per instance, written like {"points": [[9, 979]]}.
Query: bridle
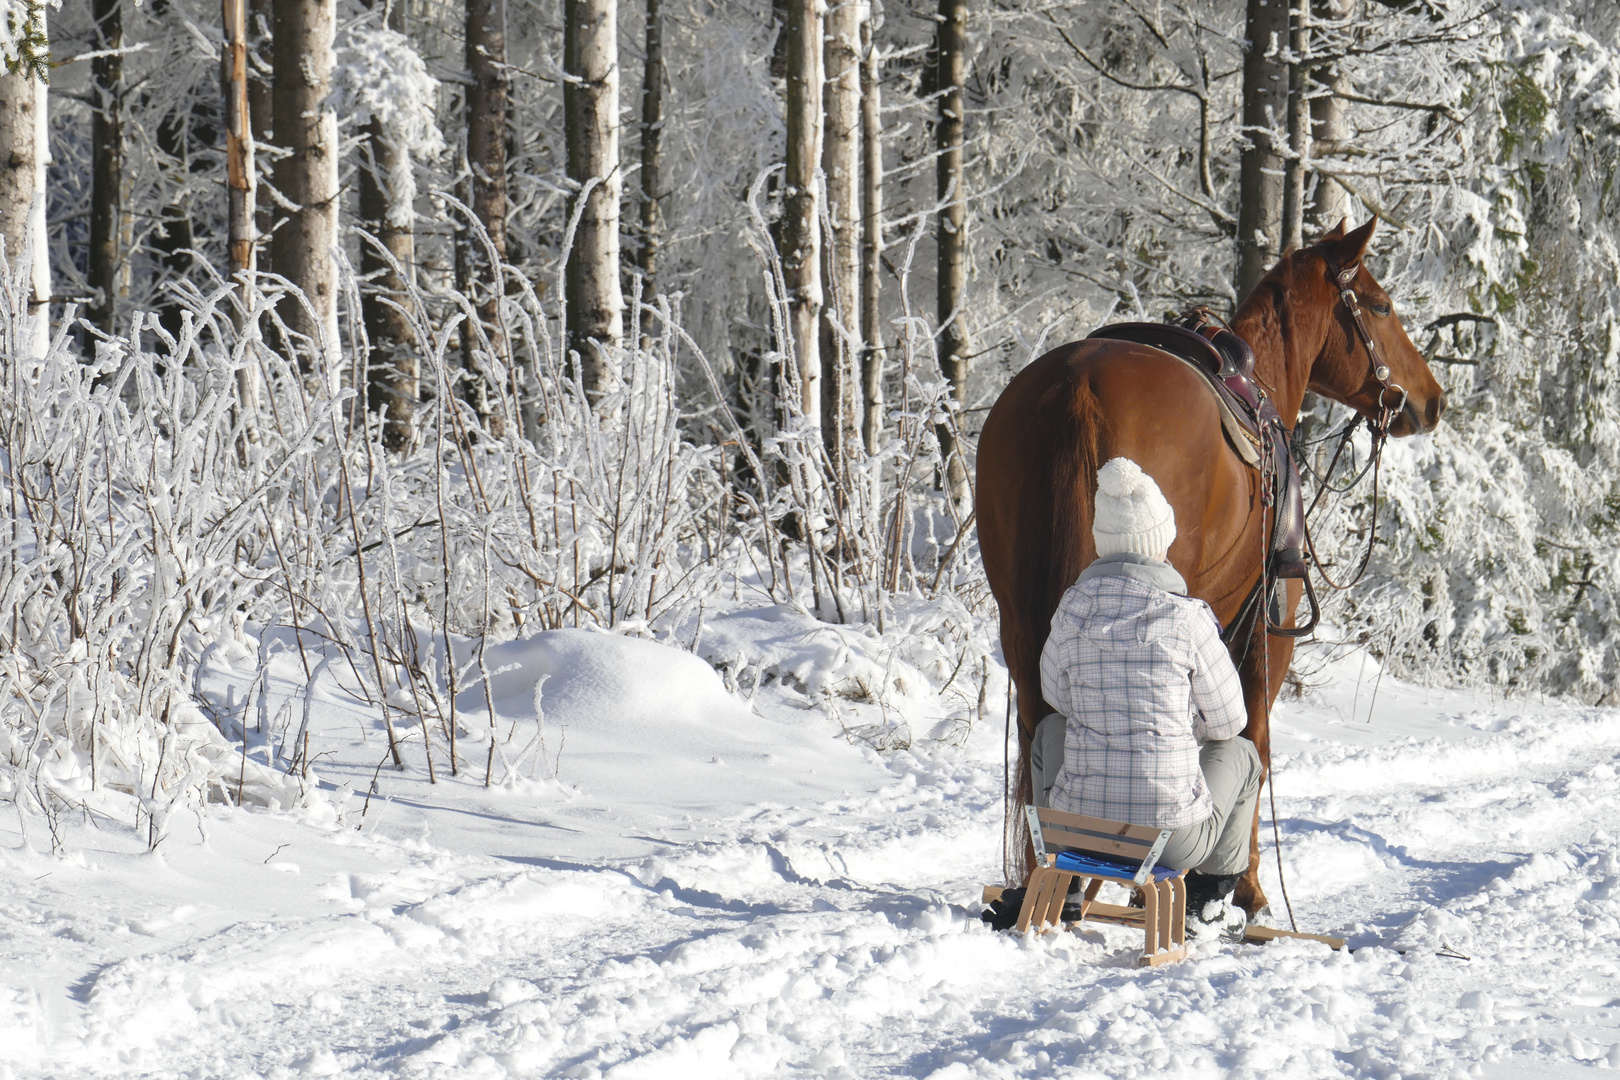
{"points": [[1343, 280]]}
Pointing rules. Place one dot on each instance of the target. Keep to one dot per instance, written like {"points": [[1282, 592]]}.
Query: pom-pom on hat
{"points": [[1132, 514]]}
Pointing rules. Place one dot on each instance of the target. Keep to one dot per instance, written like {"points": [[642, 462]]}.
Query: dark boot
{"points": [[1002, 913], [1210, 907]]}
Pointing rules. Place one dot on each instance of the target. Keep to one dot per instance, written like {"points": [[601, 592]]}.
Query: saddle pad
{"points": [[1076, 863]]}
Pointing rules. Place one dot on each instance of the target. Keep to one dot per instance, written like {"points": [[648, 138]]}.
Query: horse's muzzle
{"points": [[1424, 417]]}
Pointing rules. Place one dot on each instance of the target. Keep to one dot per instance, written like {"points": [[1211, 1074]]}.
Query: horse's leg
{"points": [[1260, 689]]}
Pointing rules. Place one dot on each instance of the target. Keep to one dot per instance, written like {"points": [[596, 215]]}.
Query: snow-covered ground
{"points": [[677, 880]]}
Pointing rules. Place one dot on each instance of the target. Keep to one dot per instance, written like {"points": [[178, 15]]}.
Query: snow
{"points": [[691, 881]]}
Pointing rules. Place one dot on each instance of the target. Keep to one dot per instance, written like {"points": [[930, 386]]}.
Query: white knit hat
{"points": [[1132, 514]]}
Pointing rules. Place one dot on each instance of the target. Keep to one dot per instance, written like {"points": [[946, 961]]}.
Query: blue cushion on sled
{"points": [[1077, 863]]}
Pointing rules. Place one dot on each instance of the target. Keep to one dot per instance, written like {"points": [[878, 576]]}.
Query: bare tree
{"points": [[107, 161], [841, 269], [652, 135], [307, 176], [871, 237], [488, 100], [1329, 129], [24, 155], [591, 107], [954, 347], [1299, 125], [240, 184], [261, 98], [801, 198], [1265, 99], [388, 266]]}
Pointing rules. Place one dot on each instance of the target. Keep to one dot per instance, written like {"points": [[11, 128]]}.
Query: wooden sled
{"points": [[1134, 917], [1071, 846]]}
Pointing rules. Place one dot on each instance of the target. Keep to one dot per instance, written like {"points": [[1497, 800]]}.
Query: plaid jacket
{"points": [[1144, 680]]}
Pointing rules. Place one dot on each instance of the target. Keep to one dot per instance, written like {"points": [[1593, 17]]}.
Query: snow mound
{"points": [[608, 684]]}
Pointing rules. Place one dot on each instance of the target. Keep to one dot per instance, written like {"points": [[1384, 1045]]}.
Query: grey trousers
{"points": [[1218, 845]]}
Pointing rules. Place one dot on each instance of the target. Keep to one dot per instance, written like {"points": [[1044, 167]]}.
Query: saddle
{"points": [[1249, 419]]}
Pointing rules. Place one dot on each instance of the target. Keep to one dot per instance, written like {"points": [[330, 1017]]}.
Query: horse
{"points": [[1310, 322]]}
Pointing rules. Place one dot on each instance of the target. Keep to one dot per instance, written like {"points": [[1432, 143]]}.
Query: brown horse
{"points": [[1089, 401]]}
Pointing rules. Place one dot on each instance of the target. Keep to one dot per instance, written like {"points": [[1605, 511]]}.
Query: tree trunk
{"points": [[307, 177], [487, 106], [841, 170], [652, 135], [174, 235], [240, 181], [24, 155], [107, 161], [240, 184], [871, 240], [591, 107], [1329, 128], [801, 200], [261, 99], [1265, 99], [951, 43], [1299, 126], [387, 214]]}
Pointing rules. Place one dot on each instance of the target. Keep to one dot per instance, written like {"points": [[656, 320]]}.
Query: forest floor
{"points": [[688, 883]]}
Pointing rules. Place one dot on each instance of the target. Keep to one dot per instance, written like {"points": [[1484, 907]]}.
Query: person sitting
{"points": [[1149, 702]]}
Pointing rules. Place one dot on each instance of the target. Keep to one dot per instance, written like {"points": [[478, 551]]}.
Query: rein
{"points": [[1344, 280]]}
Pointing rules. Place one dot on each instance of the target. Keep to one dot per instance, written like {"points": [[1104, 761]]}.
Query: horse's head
{"points": [[1392, 375]]}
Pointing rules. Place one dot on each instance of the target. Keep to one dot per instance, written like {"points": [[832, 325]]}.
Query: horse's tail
{"points": [[1054, 544]]}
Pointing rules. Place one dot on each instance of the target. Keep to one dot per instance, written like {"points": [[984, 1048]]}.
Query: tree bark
{"points": [[1265, 99], [24, 155], [307, 177], [173, 238], [652, 135], [1299, 126], [842, 175], [871, 239], [801, 200], [387, 214], [591, 107], [261, 100], [954, 346], [240, 181], [1329, 129], [240, 185], [107, 162], [488, 101]]}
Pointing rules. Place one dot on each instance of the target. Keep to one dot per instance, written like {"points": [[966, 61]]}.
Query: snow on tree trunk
{"points": [[871, 238], [307, 177], [107, 162], [1329, 128], [841, 170], [487, 105], [801, 199], [952, 238], [261, 99], [1299, 125], [1265, 100], [24, 155], [591, 104], [386, 212]]}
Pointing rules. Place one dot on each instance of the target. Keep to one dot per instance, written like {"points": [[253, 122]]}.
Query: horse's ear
{"points": [[1346, 249], [1335, 233]]}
